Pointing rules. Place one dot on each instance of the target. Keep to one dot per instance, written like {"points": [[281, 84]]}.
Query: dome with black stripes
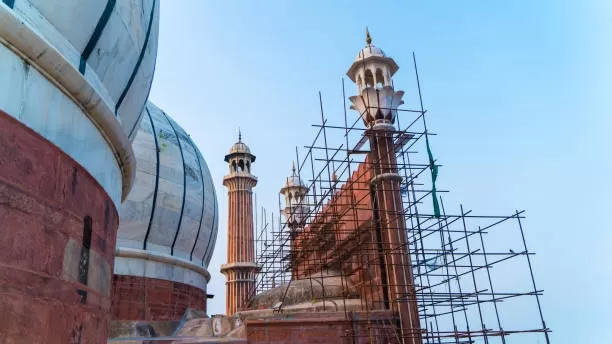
{"points": [[113, 44], [170, 215], [95, 59]]}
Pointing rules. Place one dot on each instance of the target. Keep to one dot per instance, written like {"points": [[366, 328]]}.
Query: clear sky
{"points": [[517, 91]]}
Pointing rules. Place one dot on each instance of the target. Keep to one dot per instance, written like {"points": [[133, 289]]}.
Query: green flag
{"points": [[434, 175]]}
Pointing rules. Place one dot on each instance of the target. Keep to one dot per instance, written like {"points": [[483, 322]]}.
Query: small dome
{"points": [[293, 180], [369, 51], [371, 57], [240, 147], [324, 285]]}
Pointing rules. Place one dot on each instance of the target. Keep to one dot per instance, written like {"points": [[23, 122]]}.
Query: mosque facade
{"points": [[114, 200], [109, 214]]}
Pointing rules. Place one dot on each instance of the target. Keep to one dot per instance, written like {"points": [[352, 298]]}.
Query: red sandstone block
{"points": [[15, 199], [39, 212], [76, 184], [159, 299], [180, 299], [31, 285], [255, 335], [135, 313], [83, 196], [129, 285], [27, 160], [31, 245], [130, 295], [159, 283]]}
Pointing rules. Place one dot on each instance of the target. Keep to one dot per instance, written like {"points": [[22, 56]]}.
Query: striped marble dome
{"points": [[113, 44], [172, 208], [78, 73]]}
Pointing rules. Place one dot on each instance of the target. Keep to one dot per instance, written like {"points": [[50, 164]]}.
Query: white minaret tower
{"points": [[295, 211]]}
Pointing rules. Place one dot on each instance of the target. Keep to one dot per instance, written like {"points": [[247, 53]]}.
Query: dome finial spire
{"points": [[293, 167], [239, 135], [368, 38]]}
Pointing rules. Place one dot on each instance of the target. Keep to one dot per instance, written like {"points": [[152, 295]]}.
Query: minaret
{"points": [[377, 103], [240, 269], [295, 211]]}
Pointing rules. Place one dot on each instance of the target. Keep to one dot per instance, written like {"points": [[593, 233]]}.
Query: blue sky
{"points": [[517, 91]]}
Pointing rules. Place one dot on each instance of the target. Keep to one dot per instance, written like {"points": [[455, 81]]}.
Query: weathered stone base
{"points": [[57, 236], [294, 328], [350, 328], [141, 329], [151, 299]]}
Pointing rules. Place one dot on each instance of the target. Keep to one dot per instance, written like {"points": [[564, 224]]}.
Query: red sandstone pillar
{"points": [[240, 269], [389, 220]]}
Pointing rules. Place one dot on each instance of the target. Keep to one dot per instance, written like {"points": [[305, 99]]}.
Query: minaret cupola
{"points": [[296, 210], [372, 71], [240, 157]]}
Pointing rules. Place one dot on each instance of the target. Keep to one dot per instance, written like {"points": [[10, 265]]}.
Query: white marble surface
{"points": [[161, 267], [373, 102], [170, 186], [163, 220], [371, 68], [207, 239], [50, 38], [68, 26], [192, 210], [29, 97]]}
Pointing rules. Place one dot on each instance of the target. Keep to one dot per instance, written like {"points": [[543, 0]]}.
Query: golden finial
{"points": [[368, 38]]}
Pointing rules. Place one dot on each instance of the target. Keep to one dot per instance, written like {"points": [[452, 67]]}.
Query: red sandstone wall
{"points": [[311, 328], [295, 333], [350, 211], [351, 205], [44, 199], [140, 298]]}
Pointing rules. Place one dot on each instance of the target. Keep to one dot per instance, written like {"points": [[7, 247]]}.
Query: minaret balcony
{"points": [[376, 105]]}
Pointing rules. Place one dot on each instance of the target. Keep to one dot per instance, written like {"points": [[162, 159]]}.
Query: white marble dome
{"points": [[113, 44], [369, 51], [373, 60], [293, 180], [240, 147], [172, 210], [75, 71]]}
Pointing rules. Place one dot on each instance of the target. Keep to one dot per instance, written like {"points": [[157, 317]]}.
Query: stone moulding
{"points": [[22, 39], [240, 265], [122, 252]]}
